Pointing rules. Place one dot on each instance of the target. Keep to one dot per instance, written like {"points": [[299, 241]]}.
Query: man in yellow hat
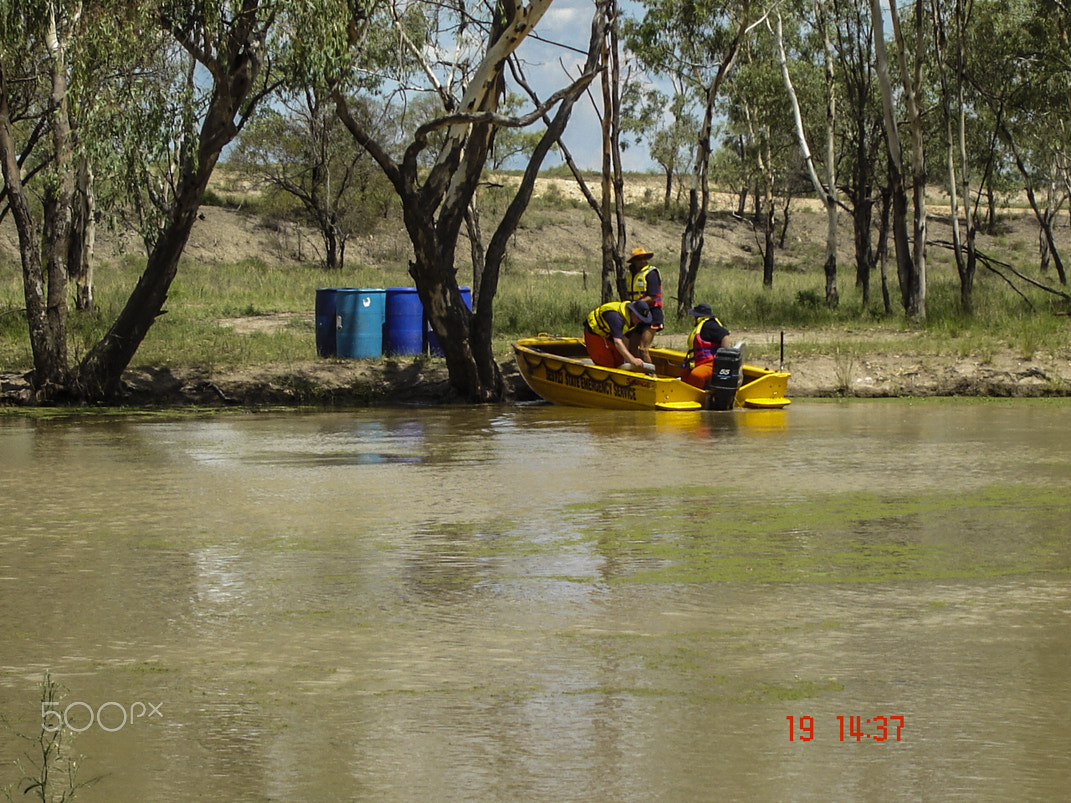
{"points": [[645, 284]]}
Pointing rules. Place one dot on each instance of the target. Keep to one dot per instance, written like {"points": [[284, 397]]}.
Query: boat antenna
{"points": [[781, 367]]}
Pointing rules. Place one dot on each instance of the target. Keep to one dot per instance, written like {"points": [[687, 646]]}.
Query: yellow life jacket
{"points": [[596, 320], [637, 286]]}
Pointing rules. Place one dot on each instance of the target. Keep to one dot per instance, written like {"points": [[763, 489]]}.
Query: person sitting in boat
{"points": [[645, 284], [706, 338], [607, 327]]}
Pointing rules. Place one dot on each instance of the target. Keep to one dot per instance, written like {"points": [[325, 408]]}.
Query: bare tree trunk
{"points": [[699, 194], [883, 247], [1046, 218], [56, 212], [618, 179], [1044, 257], [49, 364], [831, 202], [44, 286], [786, 209], [769, 246], [862, 219], [905, 264], [331, 248], [912, 89], [100, 373], [1045, 224], [613, 274], [476, 250], [965, 254], [80, 250], [825, 191]]}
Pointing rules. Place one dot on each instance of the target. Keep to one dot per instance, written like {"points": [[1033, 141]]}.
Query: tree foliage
{"points": [[299, 148], [698, 43]]}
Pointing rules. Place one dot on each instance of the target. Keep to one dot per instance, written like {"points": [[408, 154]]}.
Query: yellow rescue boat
{"points": [[560, 371]]}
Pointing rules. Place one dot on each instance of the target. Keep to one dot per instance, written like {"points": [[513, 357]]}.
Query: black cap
{"points": [[701, 311], [641, 311]]}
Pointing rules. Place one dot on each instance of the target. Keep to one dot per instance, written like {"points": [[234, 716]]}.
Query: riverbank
{"points": [[843, 371]]}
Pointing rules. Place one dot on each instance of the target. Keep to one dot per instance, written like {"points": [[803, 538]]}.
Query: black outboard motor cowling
{"points": [[724, 379]]}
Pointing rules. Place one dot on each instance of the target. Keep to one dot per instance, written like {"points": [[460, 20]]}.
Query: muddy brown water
{"points": [[540, 603]]}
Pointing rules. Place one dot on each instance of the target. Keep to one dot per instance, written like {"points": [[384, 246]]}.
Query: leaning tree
{"points": [[460, 56], [218, 51]]}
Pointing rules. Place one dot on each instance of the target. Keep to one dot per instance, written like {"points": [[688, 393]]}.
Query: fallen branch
{"points": [[991, 264]]}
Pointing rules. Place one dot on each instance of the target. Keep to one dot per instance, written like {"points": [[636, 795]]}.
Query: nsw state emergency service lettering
{"points": [[584, 382]]}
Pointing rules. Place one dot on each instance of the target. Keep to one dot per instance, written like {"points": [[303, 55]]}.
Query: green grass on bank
{"points": [[551, 297]]}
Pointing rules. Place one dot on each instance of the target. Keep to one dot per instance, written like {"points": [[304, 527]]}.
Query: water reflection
{"points": [[544, 603]]}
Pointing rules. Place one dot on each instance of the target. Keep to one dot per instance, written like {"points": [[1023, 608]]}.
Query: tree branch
{"points": [[991, 264]]}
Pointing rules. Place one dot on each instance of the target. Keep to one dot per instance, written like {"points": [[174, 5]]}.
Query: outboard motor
{"points": [[724, 379]]}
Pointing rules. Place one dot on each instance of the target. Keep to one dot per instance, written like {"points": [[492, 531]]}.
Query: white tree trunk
{"points": [[826, 192], [912, 86]]}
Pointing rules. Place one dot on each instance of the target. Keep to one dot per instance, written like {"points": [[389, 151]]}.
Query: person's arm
{"points": [[619, 344], [617, 335], [714, 332], [653, 288]]}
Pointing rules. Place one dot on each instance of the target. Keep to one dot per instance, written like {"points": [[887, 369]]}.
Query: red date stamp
{"points": [[877, 729]]}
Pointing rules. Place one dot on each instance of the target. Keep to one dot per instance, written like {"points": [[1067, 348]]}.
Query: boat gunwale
{"points": [[588, 367], [522, 345]]}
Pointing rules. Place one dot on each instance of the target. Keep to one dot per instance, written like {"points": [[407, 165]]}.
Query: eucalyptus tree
{"points": [[667, 123], [219, 48], [860, 132], [299, 148], [1019, 68], [732, 168], [825, 185], [698, 42], [77, 67], [910, 250], [35, 44], [110, 69], [758, 116], [63, 69], [459, 56], [223, 46], [950, 31]]}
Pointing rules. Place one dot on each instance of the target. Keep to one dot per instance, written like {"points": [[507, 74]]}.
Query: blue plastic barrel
{"points": [[360, 322], [326, 321], [404, 330], [433, 341]]}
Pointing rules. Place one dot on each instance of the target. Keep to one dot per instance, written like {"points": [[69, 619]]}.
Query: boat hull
{"points": [[558, 370]]}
